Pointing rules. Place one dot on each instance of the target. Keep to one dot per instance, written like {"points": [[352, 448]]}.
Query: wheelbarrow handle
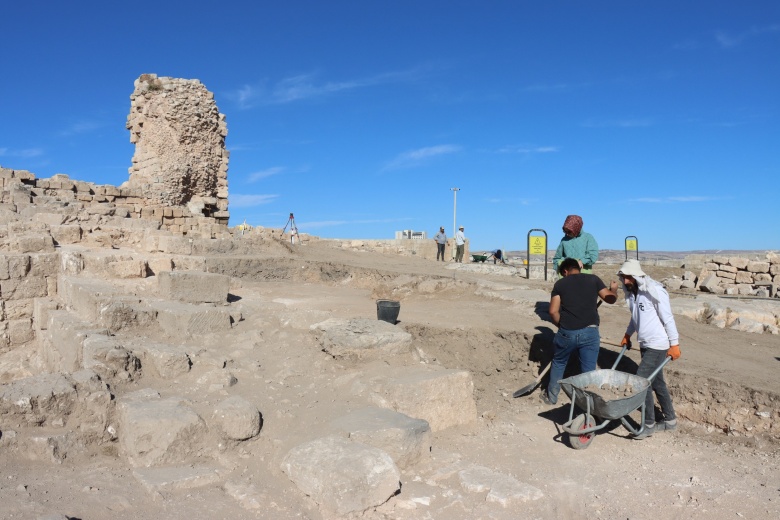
{"points": [[620, 356], [660, 367]]}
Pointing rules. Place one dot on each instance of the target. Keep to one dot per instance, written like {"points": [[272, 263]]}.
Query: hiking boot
{"points": [[647, 432], [668, 426], [545, 398]]}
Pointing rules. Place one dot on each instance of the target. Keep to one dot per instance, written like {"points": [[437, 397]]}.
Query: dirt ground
{"points": [[722, 463]]}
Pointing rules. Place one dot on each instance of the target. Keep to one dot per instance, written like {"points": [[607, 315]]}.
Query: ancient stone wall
{"points": [[179, 136], [741, 276], [59, 200]]}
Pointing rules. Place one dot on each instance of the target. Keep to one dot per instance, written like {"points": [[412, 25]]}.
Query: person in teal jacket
{"points": [[576, 244]]}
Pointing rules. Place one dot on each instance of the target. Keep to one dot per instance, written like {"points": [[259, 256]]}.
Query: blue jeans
{"points": [[586, 342], [651, 359]]}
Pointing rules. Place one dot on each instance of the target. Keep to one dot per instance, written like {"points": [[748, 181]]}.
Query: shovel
{"points": [[527, 389]]}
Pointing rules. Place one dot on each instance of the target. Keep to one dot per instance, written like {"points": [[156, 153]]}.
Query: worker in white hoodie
{"points": [[656, 332]]}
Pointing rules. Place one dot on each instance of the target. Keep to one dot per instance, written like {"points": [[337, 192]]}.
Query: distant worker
{"points": [[441, 242], [656, 332], [576, 244], [574, 310], [460, 245], [497, 256]]}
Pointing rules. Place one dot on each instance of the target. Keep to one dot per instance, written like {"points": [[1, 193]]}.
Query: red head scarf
{"points": [[573, 223]]}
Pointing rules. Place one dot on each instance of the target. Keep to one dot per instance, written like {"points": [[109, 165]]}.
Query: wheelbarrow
{"points": [[479, 258], [582, 429]]}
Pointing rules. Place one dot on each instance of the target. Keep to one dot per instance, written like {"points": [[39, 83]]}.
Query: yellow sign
{"points": [[537, 246], [631, 245]]}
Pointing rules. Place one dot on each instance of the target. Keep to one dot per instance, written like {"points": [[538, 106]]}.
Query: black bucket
{"points": [[387, 310]]}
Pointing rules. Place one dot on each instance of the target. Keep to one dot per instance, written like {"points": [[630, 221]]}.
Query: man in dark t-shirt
{"points": [[574, 310]]}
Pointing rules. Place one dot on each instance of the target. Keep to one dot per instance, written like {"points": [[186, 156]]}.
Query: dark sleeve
{"points": [[599, 284], [556, 290]]}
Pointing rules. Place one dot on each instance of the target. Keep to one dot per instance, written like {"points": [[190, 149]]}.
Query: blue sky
{"points": [[654, 119]]}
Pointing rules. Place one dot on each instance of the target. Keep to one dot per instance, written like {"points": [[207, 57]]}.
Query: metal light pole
{"points": [[454, 215]]}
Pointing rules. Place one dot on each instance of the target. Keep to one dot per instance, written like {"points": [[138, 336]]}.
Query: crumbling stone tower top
{"points": [[179, 135]]}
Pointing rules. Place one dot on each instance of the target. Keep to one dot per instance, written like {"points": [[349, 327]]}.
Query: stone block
{"points": [[168, 479], [45, 400], [31, 243], [405, 439], [744, 277], [187, 320], [165, 361], [727, 268], [24, 288], [237, 418], [709, 283], [155, 431], [158, 265], [502, 489], [193, 287], [758, 267], [443, 397], [20, 331], [18, 309], [762, 277], [85, 296], [189, 263], [363, 339], [688, 284], [52, 219], [109, 359], [66, 234], [126, 313], [342, 477], [45, 264], [63, 340], [175, 245], [738, 262], [726, 275], [133, 268], [710, 266]]}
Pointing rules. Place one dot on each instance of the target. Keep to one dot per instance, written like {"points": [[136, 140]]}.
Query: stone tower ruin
{"points": [[179, 135]]}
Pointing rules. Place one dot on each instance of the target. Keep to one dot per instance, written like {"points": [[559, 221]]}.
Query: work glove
{"points": [[626, 341], [674, 352]]}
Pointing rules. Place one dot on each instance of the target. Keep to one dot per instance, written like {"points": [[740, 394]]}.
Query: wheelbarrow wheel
{"points": [[582, 422]]}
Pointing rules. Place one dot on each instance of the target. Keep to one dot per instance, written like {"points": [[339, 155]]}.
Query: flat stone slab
{"points": [[502, 489], [186, 320], [37, 401], [362, 338], [193, 286], [405, 439], [167, 361], [155, 431], [177, 477], [443, 397], [342, 476]]}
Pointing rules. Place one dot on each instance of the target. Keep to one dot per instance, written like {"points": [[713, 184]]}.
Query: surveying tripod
{"points": [[293, 230]]}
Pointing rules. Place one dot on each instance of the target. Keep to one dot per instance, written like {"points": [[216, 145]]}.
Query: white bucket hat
{"points": [[631, 268]]}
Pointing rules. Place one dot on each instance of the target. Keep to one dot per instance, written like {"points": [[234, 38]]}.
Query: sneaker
{"points": [[668, 426], [647, 432], [546, 399]]}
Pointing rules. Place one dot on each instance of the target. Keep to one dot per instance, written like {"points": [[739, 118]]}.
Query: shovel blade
{"points": [[527, 389]]}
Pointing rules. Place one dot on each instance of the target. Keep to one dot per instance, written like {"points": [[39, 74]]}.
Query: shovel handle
{"points": [[546, 369]]}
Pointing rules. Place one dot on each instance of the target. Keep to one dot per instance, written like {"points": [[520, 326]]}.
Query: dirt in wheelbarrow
{"points": [[610, 392], [512, 460]]}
